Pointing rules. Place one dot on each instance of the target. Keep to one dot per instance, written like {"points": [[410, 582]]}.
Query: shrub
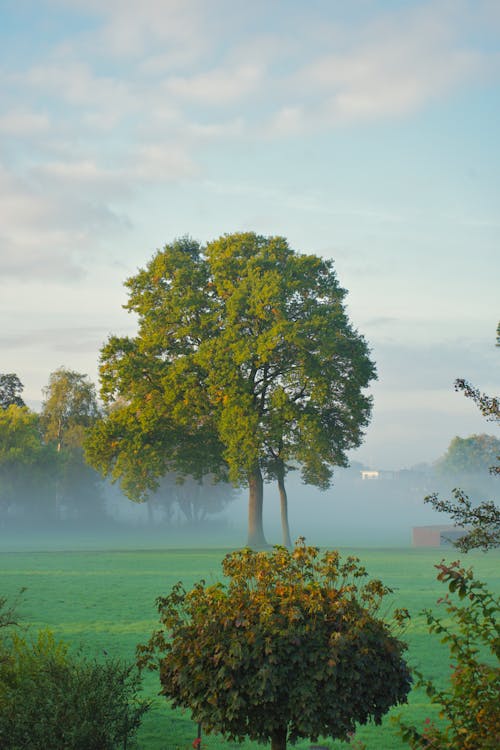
{"points": [[291, 647], [50, 699], [470, 705]]}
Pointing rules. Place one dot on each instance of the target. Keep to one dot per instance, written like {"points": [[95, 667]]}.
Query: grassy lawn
{"points": [[103, 600]]}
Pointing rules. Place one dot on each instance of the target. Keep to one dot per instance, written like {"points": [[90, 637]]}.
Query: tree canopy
{"points": [[69, 408], [245, 364], [10, 390], [471, 455], [27, 465], [290, 646]]}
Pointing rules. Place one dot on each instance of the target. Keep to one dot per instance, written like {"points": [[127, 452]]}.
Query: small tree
{"points": [[290, 647]]}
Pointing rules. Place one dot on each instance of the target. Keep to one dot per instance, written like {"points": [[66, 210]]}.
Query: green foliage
{"points": [[69, 408], [27, 465], [50, 699], [245, 363], [8, 616], [10, 390], [481, 521], [474, 454], [291, 646], [470, 705]]}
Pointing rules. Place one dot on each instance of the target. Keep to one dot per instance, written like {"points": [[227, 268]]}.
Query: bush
{"points": [[290, 647], [50, 699], [470, 706]]}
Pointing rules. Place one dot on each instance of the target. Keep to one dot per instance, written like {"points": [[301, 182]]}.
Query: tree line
{"points": [[42, 468], [44, 473]]}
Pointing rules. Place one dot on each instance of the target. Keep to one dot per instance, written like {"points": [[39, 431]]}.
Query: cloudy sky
{"points": [[366, 132]]}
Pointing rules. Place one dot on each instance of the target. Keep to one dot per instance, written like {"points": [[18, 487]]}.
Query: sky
{"points": [[365, 132]]}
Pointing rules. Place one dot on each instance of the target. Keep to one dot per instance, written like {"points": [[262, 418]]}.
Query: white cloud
{"points": [[233, 128], [131, 30], [48, 225], [218, 86], [85, 171], [76, 84], [105, 130], [161, 162], [24, 123], [390, 67], [24, 258], [270, 83], [61, 339]]}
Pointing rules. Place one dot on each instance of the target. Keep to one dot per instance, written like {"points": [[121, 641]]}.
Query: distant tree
{"points": [[245, 363], [10, 390], [471, 455], [482, 520], [27, 465], [195, 499], [290, 647], [70, 408]]}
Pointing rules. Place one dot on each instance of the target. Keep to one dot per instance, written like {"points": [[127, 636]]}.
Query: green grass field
{"points": [[103, 600]]}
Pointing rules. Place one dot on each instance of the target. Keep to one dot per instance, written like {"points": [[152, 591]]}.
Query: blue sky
{"points": [[366, 132]]}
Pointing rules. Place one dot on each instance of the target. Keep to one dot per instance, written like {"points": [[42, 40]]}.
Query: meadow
{"points": [[101, 599]]}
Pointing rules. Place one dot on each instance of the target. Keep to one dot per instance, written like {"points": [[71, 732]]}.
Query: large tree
{"points": [[245, 361]]}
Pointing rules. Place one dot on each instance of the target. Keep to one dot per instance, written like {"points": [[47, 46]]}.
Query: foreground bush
{"points": [[470, 706], [50, 700], [290, 647]]}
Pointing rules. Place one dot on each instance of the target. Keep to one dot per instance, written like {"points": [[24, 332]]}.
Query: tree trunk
{"points": [[256, 536], [285, 528], [278, 739]]}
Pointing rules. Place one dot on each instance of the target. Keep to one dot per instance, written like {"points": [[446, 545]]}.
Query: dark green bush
{"points": [[50, 699]]}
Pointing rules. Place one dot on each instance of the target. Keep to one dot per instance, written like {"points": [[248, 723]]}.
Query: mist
{"points": [[378, 511]]}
